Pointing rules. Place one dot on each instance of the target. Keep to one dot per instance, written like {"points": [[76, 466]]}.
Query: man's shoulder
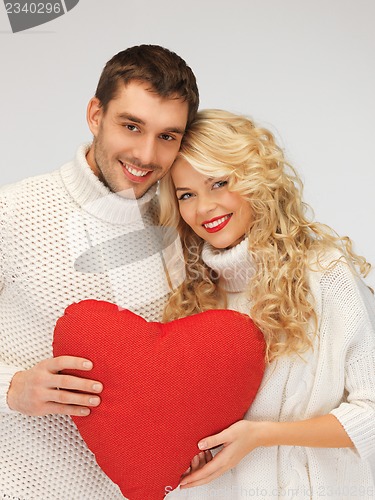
{"points": [[28, 183], [29, 193]]}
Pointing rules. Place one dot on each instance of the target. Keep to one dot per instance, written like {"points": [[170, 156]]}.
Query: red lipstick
{"points": [[213, 225]]}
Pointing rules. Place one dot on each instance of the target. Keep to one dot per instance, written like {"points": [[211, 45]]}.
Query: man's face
{"points": [[136, 139]]}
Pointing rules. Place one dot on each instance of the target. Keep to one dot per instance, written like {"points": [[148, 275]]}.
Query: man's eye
{"points": [[132, 128], [219, 184], [167, 137]]}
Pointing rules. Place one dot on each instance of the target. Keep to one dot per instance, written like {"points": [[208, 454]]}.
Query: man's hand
{"points": [[42, 390]]}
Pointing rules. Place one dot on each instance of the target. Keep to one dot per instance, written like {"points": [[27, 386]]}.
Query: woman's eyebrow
{"points": [[209, 179]]}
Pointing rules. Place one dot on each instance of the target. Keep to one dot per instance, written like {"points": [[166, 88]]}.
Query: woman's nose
{"points": [[206, 204]]}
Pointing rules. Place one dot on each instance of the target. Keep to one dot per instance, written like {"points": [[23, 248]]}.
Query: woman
{"points": [[249, 245]]}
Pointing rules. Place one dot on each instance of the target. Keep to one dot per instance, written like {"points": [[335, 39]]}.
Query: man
{"points": [[51, 227]]}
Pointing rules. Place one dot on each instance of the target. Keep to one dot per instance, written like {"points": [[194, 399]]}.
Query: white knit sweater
{"points": [[337, 377], [47, 223]]}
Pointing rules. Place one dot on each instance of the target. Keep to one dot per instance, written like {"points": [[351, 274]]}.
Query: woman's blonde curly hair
{"points": [[281, 239]]}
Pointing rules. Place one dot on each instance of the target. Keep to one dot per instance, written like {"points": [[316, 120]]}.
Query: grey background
{"points": [[304, 68]]}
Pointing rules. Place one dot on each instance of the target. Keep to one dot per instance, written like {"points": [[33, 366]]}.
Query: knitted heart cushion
{"points": [[166, 386]]}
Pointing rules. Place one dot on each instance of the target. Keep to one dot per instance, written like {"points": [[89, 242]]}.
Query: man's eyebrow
{"points": [[175, 130], [132, 118], [136, 119]]}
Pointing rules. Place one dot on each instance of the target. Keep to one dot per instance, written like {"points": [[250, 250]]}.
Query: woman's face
{"points": [[219, 216]]}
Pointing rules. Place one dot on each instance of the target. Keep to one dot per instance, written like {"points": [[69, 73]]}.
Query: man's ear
{"points": [[94, 115]]}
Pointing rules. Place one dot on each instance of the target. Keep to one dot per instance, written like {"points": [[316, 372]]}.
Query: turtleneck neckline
{"points": [[234, 265], [97, 199]]}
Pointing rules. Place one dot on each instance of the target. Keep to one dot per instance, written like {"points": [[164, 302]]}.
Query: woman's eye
{"points": [[184, 196], [219, 184]]}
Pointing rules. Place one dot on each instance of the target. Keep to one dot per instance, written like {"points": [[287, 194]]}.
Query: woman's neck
{"points": [[234, 266]]}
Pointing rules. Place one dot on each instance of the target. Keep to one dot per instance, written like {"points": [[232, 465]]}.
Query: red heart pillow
{"points": [[166, 386]]}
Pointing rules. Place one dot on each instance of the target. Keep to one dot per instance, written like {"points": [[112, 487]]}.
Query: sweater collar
{"points": [[234, 265], [98, 200]]}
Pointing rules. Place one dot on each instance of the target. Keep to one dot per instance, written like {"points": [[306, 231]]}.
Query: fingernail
{"points": [[87, 364], [202, 445], [97, 387], [183, 483], [85, 411], [94, 401]]}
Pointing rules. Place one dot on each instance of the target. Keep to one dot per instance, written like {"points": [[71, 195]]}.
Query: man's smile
{"points": [[134, 173]]}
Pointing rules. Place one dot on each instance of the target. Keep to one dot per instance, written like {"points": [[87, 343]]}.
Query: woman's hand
{"points": [[238, 440], [198, 462], [244, 436]]}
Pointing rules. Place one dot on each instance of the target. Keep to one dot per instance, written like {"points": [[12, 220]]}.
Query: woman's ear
{"points": [[94, 115]]}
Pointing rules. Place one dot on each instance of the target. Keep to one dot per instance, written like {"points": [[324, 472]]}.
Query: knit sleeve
{"points": [[6, 375], [350, 308], [6, 371], [357, 414]]}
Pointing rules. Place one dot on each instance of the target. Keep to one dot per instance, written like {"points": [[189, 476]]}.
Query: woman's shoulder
{"points": [[334, 280], [322, 259], [330, 265]]}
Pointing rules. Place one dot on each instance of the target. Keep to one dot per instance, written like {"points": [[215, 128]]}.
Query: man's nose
{"points": [[147, 151]]}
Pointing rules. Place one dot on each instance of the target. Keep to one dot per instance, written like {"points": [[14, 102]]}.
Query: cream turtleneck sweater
{"points": [[337, 376], [64, 237], [235, 268]]}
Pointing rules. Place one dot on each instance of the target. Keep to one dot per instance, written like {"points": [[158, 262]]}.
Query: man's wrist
{"points": [[6, 376]]}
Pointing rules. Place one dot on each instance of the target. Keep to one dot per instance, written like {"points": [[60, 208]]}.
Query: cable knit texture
{"points": [[337, 376], [48, 224]]}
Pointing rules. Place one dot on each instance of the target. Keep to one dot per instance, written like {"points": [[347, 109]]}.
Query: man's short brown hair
{"points": [[167, 73]]}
